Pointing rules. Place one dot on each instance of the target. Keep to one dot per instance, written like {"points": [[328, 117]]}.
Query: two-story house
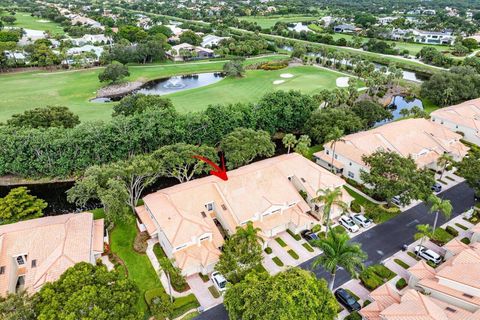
{"points": [[423, 140], [463, 117], [191, 219]]}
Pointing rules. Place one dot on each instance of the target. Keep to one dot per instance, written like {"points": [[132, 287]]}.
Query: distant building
{"points": [[299, 27], [346, 28], [186, 51], [421, 139], [463, 117], [91, 39], [212, 40], [37, 251], [445, 37], [386, 20], [86, 48], [78, 19], [15, 55]]}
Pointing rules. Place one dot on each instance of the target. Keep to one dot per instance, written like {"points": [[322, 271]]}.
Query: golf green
{"points": [[23, 91]]}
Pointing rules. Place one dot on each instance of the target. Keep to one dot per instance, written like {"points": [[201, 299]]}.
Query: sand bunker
{"points": [[43, 21], [342, 82], [278, 81], [286, 75]]}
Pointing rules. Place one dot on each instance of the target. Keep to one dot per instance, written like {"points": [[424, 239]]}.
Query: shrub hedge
{"points": [[355, 207], [268, 250], [277, 261], [401, 263], [401, 283], [281, 242], [452, 231], [294, 236], [293, 254]]}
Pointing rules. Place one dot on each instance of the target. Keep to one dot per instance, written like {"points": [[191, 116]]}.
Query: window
{"points": [[20, 260], [2, 269], [335, 156], [204, 238], [224, 207], [468, 295], [34, 263], [351, 174], [350, 163], [209, 206], [327, 152], [290, 178], [203, 214], [180, 247]]}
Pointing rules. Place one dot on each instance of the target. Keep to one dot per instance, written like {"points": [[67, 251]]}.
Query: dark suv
{"points": [[347, 300], [308, 235]]}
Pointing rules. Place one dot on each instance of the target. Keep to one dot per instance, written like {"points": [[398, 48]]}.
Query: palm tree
{"points": [[334, 136], [338, 252], [249, 236], [424, 232], [289, 141], [166, 266], [439, 205], [444, 160], [330, 198]]}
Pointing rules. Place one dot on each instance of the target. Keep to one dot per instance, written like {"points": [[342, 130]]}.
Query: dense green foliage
{"points": [[50, 116], [242, 253], [113, 73], [234, 68], [138, 103], [19, 205], [63, 152], [392, 175], [291, 294], [88, 292], [452, 87]]}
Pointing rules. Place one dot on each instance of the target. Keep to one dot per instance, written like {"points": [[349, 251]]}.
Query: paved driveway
{"points": [[382, 241], [200, 289]]}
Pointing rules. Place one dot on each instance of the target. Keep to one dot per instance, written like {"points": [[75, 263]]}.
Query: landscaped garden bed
{"points": [[293, 254], [401, 283], [294, 236], [308, 247], [281, 242], [374, 276], [277, 261], [401, 263]]}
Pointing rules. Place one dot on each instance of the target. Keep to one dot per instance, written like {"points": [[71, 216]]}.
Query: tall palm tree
{"points": [[444, 160], [334, 136], [289, 141], [330, 198], [166, 266], [424, 232], [339, 252], [438, 205], [249, 236]]}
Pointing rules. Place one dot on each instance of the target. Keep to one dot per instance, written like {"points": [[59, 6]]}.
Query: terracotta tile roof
{"points": [[328, 159], [455, 246], [421, 270], [181, 211], [424, 140], [204, 254], [463, 268], [55, 243], [146, 220], [435, 285], [466, 114]]}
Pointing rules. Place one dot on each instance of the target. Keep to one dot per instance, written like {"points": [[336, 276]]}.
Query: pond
{"points": [[407, 74], [171, 85], [398, 104]]}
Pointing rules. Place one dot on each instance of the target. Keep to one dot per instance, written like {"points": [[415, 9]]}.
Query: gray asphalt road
{"points": [[383, 240]]}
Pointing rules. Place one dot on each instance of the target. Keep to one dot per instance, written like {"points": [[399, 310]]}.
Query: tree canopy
{"points": [[86, 291], [391, 175], [50, 116], [290, 294], [113, 73], [242, 146], [20, 205]]}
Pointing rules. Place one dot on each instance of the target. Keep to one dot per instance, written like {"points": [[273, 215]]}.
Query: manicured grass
{"points": [[214, 292], [26, 21], [293, 254], [27, 90], [461, 226], [307, 246], [314, 149], [412, 47], [138, 265], [401, 263], [277, 261], [401, 283], [381, 214], [269, 21], [294, 236], [361, 200], [98, 214], [413, 255], [23, 91], [281, 242], [191, 315], [441, 237], [254, 85], [429, 106]]}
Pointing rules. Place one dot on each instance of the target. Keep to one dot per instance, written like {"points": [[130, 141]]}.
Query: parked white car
{"points": [[348, 224], [428, 254], [361, 220], [219, 281]]}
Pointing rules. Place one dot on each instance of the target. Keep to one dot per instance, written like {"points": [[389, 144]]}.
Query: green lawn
{"points": [[27, 90], [269, 21], [361, 200], [138, 265], [413, 48], [23, 91], [26, 21], [255, 84]]}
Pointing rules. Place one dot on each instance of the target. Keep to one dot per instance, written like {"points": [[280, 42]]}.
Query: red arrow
{"points": [[217, 171]]}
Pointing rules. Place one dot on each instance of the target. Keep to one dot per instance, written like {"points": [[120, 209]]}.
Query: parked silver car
{"points": [[348, 224], [428, 254], [361, 220]]}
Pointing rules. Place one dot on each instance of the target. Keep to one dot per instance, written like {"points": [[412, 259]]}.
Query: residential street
{"points": [[382, 241]]}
